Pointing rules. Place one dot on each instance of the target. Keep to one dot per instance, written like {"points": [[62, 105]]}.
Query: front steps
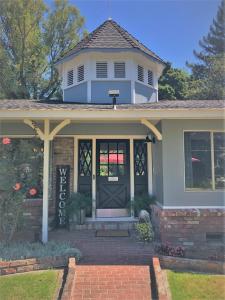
{"points": [[106, 224]]}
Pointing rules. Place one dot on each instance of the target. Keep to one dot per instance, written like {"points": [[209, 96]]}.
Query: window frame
{"points": [[114, 69], [143, 73], [213, 187]]}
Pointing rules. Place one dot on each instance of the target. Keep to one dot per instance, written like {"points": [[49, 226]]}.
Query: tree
{"points": [[32, 39], [173, 84], [208, 76]]}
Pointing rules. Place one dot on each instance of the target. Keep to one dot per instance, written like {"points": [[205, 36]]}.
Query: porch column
{"points": [[45, 183]]}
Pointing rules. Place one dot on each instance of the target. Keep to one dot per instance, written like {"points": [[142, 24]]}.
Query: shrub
{"points": [[143, 202], [25, 250], [169, 250], [145, 232]]}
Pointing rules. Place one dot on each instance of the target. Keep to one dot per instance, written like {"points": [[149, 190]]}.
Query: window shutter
{"points": [[119, 70], [80, 73], [70, 77], [101, 70], [140, 73], [150, 77]]}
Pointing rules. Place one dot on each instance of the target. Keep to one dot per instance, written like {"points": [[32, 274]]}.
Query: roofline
{"points": [[114, 115], [86, 50]]}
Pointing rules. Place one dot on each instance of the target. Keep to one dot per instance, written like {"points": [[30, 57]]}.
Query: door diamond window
{"points": [[85, 152], [140, 158]]}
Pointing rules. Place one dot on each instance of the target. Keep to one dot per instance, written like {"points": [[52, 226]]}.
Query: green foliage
{"points": [[19, 165], [145, 232], [25, 250], [77, 202], [173, 84], [143, 202], [33, 37], [208, 76]]}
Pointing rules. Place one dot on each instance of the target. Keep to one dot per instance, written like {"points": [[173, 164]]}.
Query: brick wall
{"points": [[189, 227]]}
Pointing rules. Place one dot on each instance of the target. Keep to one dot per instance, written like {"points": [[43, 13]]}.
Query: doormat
{"points": [[112, 233]]}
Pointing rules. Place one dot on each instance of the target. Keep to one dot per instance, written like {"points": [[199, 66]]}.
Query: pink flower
{"points": [[33, 192], [17, 186], [6, 141]]}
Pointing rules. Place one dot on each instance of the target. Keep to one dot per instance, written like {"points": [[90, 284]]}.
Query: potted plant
{"points": [[78, 206]]}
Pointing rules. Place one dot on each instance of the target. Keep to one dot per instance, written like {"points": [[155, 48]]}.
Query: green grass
{"points": [[40, 285], [192, 286]]}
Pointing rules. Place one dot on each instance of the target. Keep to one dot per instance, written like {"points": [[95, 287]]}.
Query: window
{"points": [[219, 159], [150, 77], [119, 70], [21, 165], [101, 70], [70, 77], [80, 73], [140, 71], [204, 160]]}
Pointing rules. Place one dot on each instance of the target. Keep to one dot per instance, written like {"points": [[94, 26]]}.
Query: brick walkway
{"points": [[106, 251], [112, 283]]}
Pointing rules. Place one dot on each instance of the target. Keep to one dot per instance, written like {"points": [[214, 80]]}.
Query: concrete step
{"points": [[105, 225]]}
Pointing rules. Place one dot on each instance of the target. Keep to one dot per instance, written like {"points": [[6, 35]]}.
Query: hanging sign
{"points": [[62, 193]]}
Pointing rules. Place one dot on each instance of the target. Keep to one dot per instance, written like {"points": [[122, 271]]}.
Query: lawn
{"points": [[190, 286], [40, 285]]}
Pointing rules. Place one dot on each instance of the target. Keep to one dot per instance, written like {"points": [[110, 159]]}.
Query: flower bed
{"points": [[25, 257]]}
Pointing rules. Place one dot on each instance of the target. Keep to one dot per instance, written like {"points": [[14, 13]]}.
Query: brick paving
{"points": [[106, 251], [111, 282]]}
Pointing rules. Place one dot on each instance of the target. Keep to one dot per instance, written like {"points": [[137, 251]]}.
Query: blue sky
{"points": [[172, 29]]}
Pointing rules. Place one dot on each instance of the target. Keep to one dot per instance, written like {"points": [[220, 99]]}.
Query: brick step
{"points": [[112, 282], [105, 225]]}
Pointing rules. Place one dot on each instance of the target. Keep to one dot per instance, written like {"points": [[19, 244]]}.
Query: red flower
{"points": [[6, 141], [17, 186], [33, 192]]}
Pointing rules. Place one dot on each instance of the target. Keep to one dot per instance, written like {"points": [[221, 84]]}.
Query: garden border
{"points": [[162, 286], [195, 265], [33, 264]]}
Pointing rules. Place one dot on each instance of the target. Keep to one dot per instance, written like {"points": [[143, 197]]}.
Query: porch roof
{"points": [[27, 105], [166, 109]]}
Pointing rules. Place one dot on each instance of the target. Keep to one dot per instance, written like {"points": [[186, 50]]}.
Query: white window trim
{"points": [[213, 188]]}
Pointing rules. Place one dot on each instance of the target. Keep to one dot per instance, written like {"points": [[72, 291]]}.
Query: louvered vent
{"points": [[70, 77], [80, 73], [150, 77], [140, 73], [101, 70], [119, 70]]}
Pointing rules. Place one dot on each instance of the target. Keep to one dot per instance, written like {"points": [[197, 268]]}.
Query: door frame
{"points": [[131, 139]]}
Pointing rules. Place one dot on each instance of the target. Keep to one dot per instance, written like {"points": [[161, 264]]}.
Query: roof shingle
{"points": [[111, 35], [28, 105]]}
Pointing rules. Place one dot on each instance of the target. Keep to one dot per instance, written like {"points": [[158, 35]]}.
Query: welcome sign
{"points": [[62, 193]]}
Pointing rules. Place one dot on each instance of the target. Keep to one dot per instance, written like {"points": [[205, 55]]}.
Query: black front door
{"points": [[113, 177]]}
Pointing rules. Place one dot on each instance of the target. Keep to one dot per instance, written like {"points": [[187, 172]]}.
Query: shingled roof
{"points": [[30, 105], [110, 35]]}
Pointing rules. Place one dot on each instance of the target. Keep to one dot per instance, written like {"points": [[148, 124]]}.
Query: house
{"points": [[117, 147]]}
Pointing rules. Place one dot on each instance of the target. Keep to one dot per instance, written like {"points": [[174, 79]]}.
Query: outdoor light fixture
{"points": [[150, 139], [114, 94]]}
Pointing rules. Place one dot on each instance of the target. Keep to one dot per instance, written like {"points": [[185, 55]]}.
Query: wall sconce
{"points": [[150, 139]]}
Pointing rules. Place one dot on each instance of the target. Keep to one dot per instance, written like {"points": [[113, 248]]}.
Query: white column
{"points": [[45, 183], [132, 175], [75, 165], [93, 178], [149, 153]]}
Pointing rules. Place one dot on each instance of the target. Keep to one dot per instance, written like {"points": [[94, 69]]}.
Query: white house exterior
{"points": [[104, 149]]}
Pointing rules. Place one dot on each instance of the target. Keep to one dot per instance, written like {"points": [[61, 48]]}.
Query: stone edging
{"points": [[32, 264], [162, 286], [196, 265], [69, 285]]}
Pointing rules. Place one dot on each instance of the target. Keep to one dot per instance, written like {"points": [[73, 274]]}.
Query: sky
{"points": [[170, 28]]}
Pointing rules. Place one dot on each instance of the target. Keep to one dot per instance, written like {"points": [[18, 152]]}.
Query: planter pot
{"points": [[79, 217]]}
